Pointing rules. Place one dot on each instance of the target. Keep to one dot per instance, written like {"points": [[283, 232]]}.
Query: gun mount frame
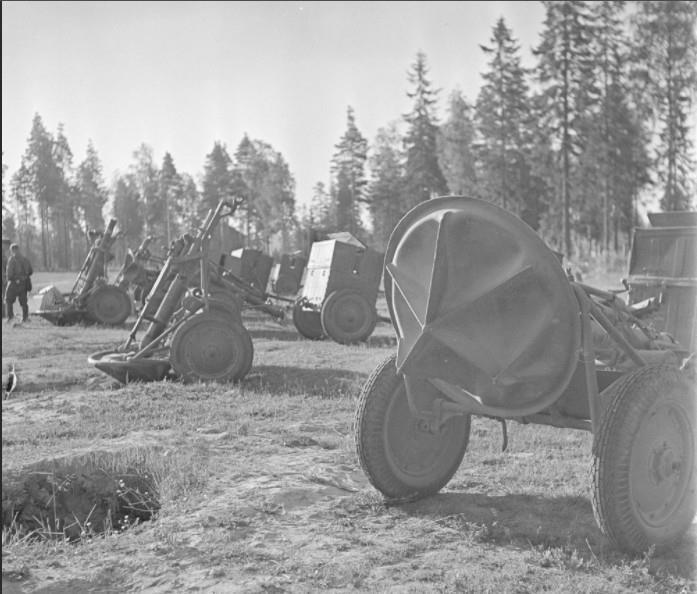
{"points": [[192, 334], [91, 299], [489, 324]]}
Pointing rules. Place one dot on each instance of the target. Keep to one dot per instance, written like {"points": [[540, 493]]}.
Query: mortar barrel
{"points": [[168, 306], [96, 267]]}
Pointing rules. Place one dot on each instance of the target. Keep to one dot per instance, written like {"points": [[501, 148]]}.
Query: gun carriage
{"points": [[91, 299], [340, 292], [193, 316], [489, 324]]}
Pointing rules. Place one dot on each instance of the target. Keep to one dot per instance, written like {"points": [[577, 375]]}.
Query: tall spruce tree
{"points": [[456, 155], [348, 170], [565, 74], [385, 190], [665, 52], [614, 161], [170, 194], [502, 117], [423, 178]]}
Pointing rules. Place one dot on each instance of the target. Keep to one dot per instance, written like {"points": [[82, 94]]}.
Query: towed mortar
{"points": [[195, 329], [489, 324], [91, 298]]}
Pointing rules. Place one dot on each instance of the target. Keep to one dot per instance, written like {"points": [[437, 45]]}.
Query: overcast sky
{"points": [[181, 75]]}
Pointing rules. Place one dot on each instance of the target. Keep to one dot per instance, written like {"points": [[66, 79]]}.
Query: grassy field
{"points": [[256, 487]]}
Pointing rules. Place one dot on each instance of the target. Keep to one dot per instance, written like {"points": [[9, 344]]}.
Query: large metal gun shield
{"points": [[482, 307]]}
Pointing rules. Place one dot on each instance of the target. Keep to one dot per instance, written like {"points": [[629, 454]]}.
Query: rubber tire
{"points": [[197, 342], [348, 317], [377, 429], [621, 455], [308, 323], [109, 305]]}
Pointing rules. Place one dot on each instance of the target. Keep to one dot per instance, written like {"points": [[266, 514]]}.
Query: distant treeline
{"points": [[572, 146]]}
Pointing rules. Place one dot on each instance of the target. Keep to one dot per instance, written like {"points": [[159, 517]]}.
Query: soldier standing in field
{"points": [[19, 271]]}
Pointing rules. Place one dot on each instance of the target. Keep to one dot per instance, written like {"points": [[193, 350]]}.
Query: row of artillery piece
{"points": [[189, 303], [488, 323]]}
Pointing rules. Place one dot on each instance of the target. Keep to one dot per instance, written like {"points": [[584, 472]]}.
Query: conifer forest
{"points": [[599, 130]]}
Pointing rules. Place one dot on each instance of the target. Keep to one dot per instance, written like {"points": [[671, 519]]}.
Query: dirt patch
{"points": [[81, 494]]}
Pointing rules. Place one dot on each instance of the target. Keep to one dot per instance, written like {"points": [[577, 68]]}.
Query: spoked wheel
{"points": [[347, 317], [307, 321], [644, 475], [398, 453], [211, 347], [109, 305]]}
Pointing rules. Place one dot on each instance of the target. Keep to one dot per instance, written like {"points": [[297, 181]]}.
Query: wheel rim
{"points": [[415, 454], [350, 315], [661, 464], [208, 349], [110, 306], [307, 322]]}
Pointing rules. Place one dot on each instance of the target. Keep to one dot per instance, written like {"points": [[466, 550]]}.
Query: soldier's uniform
{"points": [[19, 271]]}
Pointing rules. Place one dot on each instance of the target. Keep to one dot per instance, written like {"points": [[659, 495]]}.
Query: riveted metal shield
{"points": [[482, 307]]}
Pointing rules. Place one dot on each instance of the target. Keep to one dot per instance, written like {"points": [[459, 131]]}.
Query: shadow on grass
{"points": [[302, 381], [276, 334], [565, 523]]}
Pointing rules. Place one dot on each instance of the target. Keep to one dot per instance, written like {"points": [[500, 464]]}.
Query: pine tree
{"points": [[564, 72], [320, 213], [423, 176], [502, 116], [385, 190], [170, 194], [21, 193], [146, 177], [275, 196], [187, 208], [9, 228], [245, 182], [666, 58], [91, 190], [129, 209], [45, 180], [348, 170], [63, 210], [613, 164], [455, 147]]}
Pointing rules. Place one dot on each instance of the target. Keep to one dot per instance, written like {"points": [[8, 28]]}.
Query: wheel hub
{"points": [[660, 481], [664, 465]]}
